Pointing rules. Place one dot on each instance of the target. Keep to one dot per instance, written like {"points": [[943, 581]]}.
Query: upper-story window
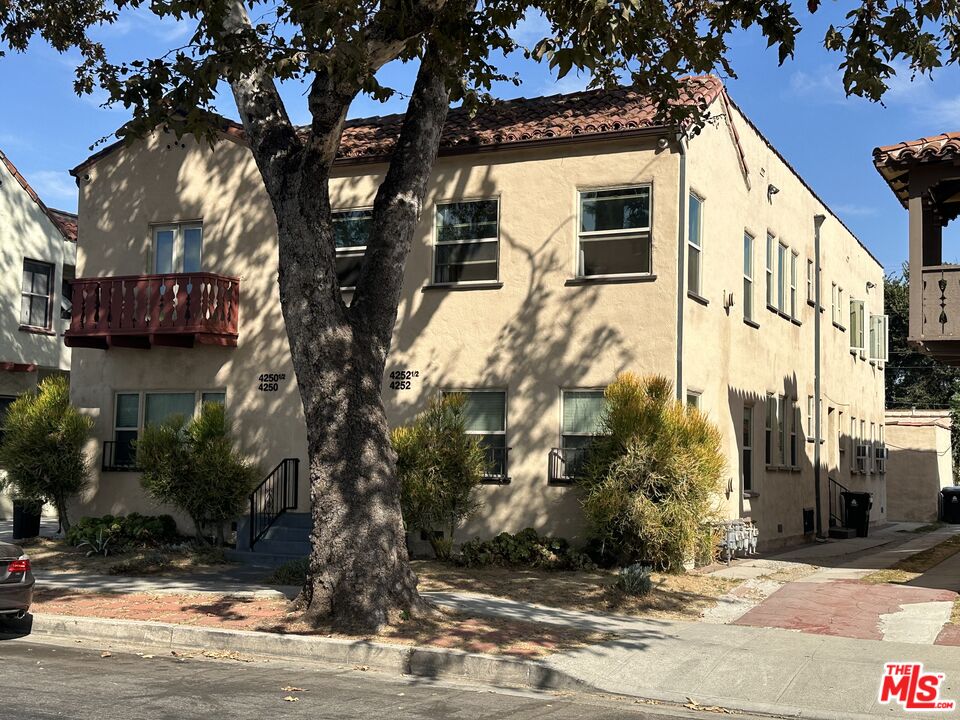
{"points": [[695, 244], [747, 276], [770, 298], [793, 284], [177, 248], [782, 290], [36, 296], [351, 230], [614, 234], [857, 335], [467, 245]]}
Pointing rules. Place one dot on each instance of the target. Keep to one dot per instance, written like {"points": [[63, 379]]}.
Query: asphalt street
{"points": [[40, 681]]}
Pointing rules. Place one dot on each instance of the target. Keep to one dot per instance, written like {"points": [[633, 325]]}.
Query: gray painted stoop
{"points": [[287, 539]]}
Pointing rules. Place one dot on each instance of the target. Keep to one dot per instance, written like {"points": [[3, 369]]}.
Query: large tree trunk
{"points": [[359, 574]]}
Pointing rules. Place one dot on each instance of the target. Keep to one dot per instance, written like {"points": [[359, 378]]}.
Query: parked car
{"points": [[16, 582]]}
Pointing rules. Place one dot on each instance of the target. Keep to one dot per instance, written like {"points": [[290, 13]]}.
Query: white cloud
{"points": [[572, 82], [852, 209], [55, 187], [532, 28], [825, 86]]}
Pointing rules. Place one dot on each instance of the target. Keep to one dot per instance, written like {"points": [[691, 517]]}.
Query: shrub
{"points": [[42, 446], [133, 530], [292, 572], [635, 580], [440, 468], [525, 549], [653, 478], [194, 467]]}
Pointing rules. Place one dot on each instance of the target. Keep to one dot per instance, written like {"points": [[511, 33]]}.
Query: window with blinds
{"points": [[485, 417]]}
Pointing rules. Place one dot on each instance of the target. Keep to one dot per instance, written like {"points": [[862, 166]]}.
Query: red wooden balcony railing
{"points": [[141, 311]]}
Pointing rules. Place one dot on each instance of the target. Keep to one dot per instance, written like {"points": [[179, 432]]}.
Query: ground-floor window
{"points": [[485, 417], [580, 423], [135, 410], [746, 461]]}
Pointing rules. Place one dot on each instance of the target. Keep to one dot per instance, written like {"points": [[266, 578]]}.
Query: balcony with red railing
{"points": [[142, 311]]}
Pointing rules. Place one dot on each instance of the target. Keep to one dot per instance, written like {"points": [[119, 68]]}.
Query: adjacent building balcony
{"points": [[925, 176], [143, 311]]}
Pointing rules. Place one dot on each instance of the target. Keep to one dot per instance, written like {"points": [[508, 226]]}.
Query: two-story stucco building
{"points": [[38, 250], [565, 239]]}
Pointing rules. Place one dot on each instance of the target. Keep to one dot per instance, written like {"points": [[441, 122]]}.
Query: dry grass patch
{"points": [[444, 628], [57, 556], [675, 597], [912, 567]]}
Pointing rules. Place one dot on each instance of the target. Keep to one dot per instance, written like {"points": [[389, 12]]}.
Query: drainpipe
{"points": [[817, 222], [681, 256]]}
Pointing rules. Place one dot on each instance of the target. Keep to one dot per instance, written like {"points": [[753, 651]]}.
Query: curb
{"points": [[417, 661]]}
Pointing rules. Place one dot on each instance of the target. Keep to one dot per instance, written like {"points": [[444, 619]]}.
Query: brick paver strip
{"points": [[844, 608]]}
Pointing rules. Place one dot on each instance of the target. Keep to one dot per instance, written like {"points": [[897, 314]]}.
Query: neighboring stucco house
{"points": [[920, 463], [38, 251], [564, 239]]}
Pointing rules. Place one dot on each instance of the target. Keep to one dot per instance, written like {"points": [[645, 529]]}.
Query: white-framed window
{"points": [[351, 232], [794, 429], [770, 295], [177, 248], [747, 276], [834, 310], [36, 295], [811, 296], [841, 445], [614, 234], [467, 242], [485, 417], [783, 417], [770, 429], [862, 440], [693, 399], [811, 429], [853, 442], [856, 326], [879, 341], [695, 244], [746, 453], [134, 410], [881, 452], [793, 284], [841, 305], [581, 420], [872, 445], [782, 278]]}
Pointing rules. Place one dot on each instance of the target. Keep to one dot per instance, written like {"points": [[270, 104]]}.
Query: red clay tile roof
{"points": [[591, 112], [505, 122], [894, 161], [65, 222]]}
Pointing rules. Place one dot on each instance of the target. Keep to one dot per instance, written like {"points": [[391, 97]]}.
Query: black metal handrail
{"points": [[835, 499], [273, 497], [119, 456], [495, 470], [566, 464]]}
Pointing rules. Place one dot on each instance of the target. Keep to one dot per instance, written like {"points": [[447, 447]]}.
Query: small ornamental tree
{"points": [[653, 478], [440, 468], [193, 466], [42, 446]]}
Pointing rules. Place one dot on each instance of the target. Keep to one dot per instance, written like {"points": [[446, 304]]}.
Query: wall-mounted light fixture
{"points": [[772, 190]]}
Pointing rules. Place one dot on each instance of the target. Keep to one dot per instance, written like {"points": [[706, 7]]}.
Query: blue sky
{"points": [[46, 129]]}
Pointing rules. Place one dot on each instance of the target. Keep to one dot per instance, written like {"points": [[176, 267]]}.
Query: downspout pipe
{"points": [[817, 430], [681, 257]]}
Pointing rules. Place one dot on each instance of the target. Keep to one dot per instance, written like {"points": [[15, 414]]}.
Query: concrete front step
{"points": [[842, 533], [283, 547], [261, 559], [286, 534]]}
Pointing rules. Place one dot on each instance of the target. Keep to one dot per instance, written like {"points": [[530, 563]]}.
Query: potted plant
{"points": [[26, 517]]}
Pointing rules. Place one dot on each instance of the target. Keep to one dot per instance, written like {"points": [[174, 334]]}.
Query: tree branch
{"points": [[399, 204]]}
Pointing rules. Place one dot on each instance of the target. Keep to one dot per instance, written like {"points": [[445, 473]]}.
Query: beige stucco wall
{"points": [[735, 364], [531, 337], [920, 462]]}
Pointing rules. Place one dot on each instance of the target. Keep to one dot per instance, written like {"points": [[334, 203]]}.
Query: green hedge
{"points": [[133, 530]]}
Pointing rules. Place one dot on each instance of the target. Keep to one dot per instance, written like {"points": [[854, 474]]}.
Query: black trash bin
{"points": [[950, 505], [26, 519], [856, 508]]}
